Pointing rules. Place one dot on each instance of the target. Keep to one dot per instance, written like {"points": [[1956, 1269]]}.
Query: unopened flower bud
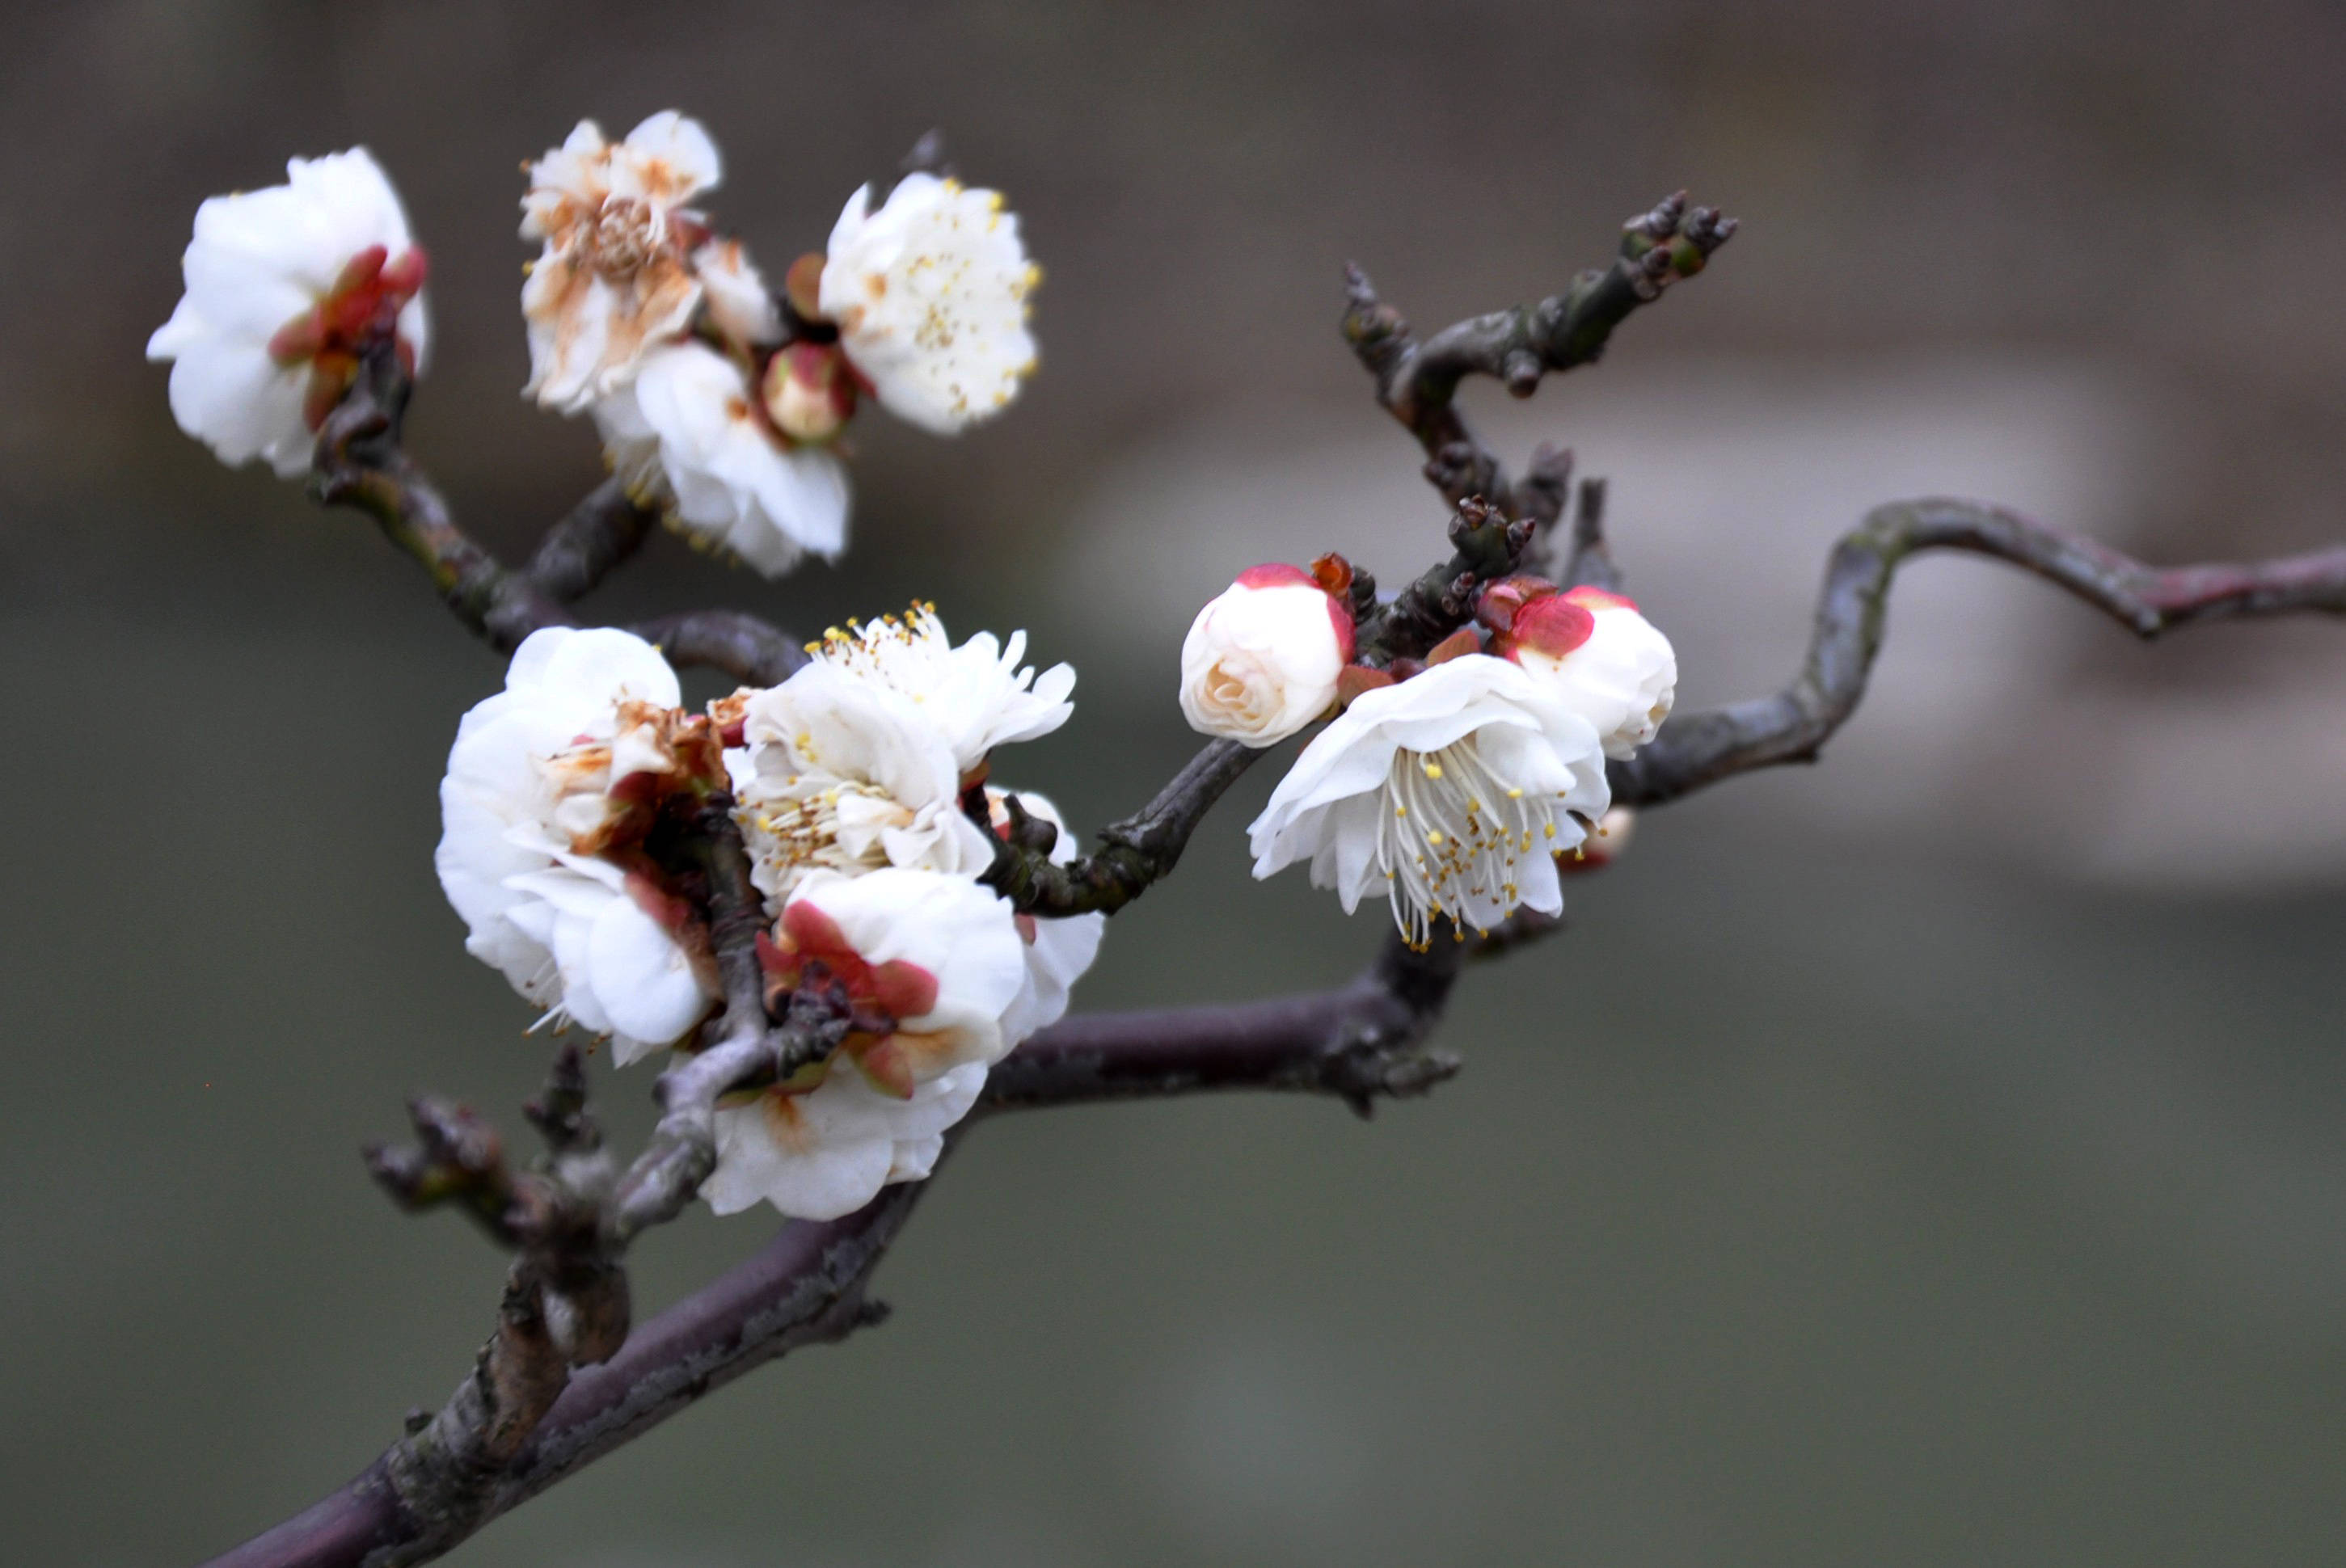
{"points": [[807, 393], [1594, 651], [1262, 660]]}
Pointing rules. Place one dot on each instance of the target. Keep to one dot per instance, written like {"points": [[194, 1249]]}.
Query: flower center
{"points": [[626, 235], [1453, 836], [834, 826]]}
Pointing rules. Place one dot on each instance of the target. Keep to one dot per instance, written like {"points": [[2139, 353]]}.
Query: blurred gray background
{"points": [[1933, 1157]]}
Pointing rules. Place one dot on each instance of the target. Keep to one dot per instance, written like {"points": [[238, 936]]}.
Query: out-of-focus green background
{"points": [[1932, 1157]]}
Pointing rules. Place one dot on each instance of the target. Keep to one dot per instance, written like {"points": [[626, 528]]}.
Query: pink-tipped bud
{"points": [[807, 393], [1262, 660], [1604, 660]]}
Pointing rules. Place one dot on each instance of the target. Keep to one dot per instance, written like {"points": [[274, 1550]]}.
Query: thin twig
{"points": [[360, 463], [1418, 382]]}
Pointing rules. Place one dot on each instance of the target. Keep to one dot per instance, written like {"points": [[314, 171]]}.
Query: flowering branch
{"points": [[840, 991], [526, 1419], [1701, 748], [1144, 848], [1418, 382]]}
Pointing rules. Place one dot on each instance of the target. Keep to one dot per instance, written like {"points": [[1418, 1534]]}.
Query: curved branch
{"points": [[1139, 851], [1701, 749], [753, 652], [359, 462], [601, 532], [1418, 382]]}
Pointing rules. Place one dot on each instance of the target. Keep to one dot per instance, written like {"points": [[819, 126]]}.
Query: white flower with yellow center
{"points": [[284, 287], [616, 275], [931, 964], [688, 436], [1449, 792], [1059, 950], [929, 292], [977, 696], [531, 780], [842, 774]]}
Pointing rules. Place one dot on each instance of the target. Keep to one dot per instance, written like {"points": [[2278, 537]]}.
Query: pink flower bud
{"points": [[807, 393], [1604, 660], [1262, 660]]}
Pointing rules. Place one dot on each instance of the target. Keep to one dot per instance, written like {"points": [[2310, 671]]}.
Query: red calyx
{"points": [[895, 988], [1356, 678], [1457, 645], [363, 306], [1554, 626], [1526, 612]]}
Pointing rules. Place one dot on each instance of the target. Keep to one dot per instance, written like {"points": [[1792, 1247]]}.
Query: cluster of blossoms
{"points": [[854, 783], [574, 796], [719, 401], [1458, 781], [1455, 785]]}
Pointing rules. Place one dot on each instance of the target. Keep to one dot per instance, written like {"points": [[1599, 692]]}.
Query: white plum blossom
{"points": [[828, 1151], [616, 275], [1059, 950], [929, 292], [528, 793], [1262, 660], [931, 962], [836, 773], [284, 286], [1601, 658], [1449, 792], [740, 307], [688, 435], [977, 694]]}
